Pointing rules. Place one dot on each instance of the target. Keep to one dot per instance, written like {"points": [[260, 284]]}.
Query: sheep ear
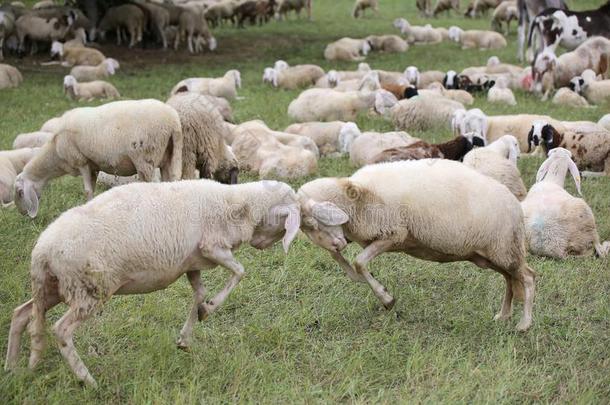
{"points": [[575, 175], [329, 214], [30, 199], [544, 168], [292, 223], [513, 153]]}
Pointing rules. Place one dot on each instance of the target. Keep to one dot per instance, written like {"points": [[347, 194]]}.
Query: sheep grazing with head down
{"points": [[454, 149], [557, 224], [97, 89], [439, 223], [361, 5], [505, 12], [90, 253], [293, 77], [498, 160], [477, 39], [12, 163], [324, 134], [446, 5], [347, 49], [416, 34], [225, 87]]}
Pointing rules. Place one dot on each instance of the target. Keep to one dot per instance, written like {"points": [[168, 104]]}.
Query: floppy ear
{"points": [[575, 174], [329, 214], [292, 223], [544, 168], [29, 198], [513, 153]]}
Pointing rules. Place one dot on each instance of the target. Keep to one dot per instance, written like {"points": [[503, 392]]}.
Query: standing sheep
{"points": [[361, 5], [225, 87], [89, 91], [423, 208], [90, 253], [505, 12], [7, 26], [89, 141], [127, 16], [446, 5]]}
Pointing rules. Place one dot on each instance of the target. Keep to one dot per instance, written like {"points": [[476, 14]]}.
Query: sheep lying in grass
{"points": [[9, 76], [90, 73], [80, 56], [499, 93], [89, 253], [557, 224], [365, 147], [498, 160], [324, 134], [569, 98], [424, 79], [347, 49], [454, 149], [425, 209], [332, 78], [387, 43], [370, 82], [89, 141], [262, 150], [595, 91], [293, 77], [12, 163], [89, 91], [604, 122], [477, 39], [203, 132], [361, 5], [31, 139], [417, 34], [225, 87]]}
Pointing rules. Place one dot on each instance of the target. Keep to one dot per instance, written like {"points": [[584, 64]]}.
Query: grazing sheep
{"points": [[499, 93], [454, 149], [7, 26], [347, 49], [293, 77], [77, 56], [12, 163], [225, 87], [89, 141], [261, 150], [365, 147], [595, 91], [453, 214], [478, 7], [31, 139], [424, 7], [387, 43], [424, 79], [127, 16], [89, 254], [568, 98], [446, 5], [90, 73], [417, 34], [285, 6], [9, 76], [361, 5], [498, 160], [558, 225], [604, 122], [477, 38], [159, 19], [505, 12], [89, 91], [324, 134], [193, 28], [203, 132]]}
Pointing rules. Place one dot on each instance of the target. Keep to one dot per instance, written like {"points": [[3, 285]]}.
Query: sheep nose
{"points": [[339, 244]]}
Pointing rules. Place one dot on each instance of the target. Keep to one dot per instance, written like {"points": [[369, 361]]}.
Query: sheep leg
{"points": [[225, 258], [89, 179], [21, 318], [507, 302], [190, 42], [369, 253], [186, 333], [64, 330], [349, 271], [146, 171], [527, 278], [118, 36], [37, 326]]}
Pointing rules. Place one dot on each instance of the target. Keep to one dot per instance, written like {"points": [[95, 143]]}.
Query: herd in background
{"points": [[183, 227]]}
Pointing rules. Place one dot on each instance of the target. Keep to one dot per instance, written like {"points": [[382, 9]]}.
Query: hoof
{"points": [[523, 326], [183, 346], [390, 304], [202, 313], [500, 317]]}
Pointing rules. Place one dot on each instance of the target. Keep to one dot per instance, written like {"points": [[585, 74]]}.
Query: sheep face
{"points": [[558, 159], [280, 65], [321, 222], [542, 132], [57, 49], [237, 78], [212, 44], [366, 48], [270, 76], [577, 84], [451, 80], [349, 131], [412, 75], [475, 121], [333, 78], [27, 195], [543, 63], [455, 33], [281, 222]]}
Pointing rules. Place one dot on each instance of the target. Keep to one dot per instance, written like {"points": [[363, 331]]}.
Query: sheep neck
{"points": [[557, 173]]}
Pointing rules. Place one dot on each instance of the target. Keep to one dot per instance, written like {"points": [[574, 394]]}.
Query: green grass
{"points": [[296, 329]]}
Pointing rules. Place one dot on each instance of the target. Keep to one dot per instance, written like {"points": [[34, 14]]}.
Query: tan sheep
{"points": [[324, 134], [499, 93], [417, 34], [89, 91], [477, 38], [225, 86], [361, 5], [568, 98], [347, 49], [12, 163], [387, 43], [9, 76], [293, 77], [90, 73], [77, 56]]}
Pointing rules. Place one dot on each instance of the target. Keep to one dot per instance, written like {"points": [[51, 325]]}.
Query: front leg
{"points": [[369, 253], [349, 271], [186, 333], [89, 179], [223, 257]]}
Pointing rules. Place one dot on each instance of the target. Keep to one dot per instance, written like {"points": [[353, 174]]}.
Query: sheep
{"points": [[77, 56], [461, 96], [9, 76], [90, 141], [361, 5], [52, 125], [505, 12], [293, 77], [417, 34], [364, 147], [446, 5], [424, 7], [89, 91], [324, 134], [285, 6], [11, 164], [604, 122], [423, 79], [477, 7], [425, 209], [89, 253], [499, 93], [31, 139], [127, 16], [477, 38], [557, 224], [30, 26], [204, 148], [387, 43], [330, 105], [347, 49], [193, 28], [454, 149], [222, 106], [90, 73], [7, 26], [225, 86], [370, 82], [566, 97], [595, 91], [332, 78], [259, 149], [159, 19], [498, 160]]}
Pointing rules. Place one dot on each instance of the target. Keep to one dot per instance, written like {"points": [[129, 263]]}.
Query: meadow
{"points": [[296, 330]]}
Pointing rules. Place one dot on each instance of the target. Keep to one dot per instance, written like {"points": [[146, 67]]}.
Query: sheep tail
{"points": [[175, 168]]}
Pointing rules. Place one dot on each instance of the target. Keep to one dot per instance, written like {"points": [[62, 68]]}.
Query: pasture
{"points": [[296, 329]]}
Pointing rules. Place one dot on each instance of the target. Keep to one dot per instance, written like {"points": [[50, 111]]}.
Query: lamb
{"points": [[566, 97], [347, 49], [498, 160], [387, 43], [595, 91], [90, 73], [9, 76], [293, 77], [30, 26], [364, 147], [88, 141], [454, 149], [31, 139], [225, 87], [604, 122], [557, 224], [204, 148], [446, 5], [127, 16], [477, 38], [324, 134], [417, 34], [369, 208], [499, 93], [11, 164], [77, 56], [423, 79], [87, 254], [505, 12], [259, 149], [89, 91], [361, 5]]}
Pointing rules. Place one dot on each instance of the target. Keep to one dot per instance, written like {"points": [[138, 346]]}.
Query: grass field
{"points": [[296, 329]]}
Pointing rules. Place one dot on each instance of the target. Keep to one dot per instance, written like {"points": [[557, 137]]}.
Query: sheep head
{"points": [[70, 84], [236, 77], [27, 195], [475, 121], [451, 80], [348, 132], [559, 156], [455, 33], [577, 84], [411, 73], [384, 101], [322, 222], [57, 49], [402, 24], [270, 76], [543, 132], [280, 65], [543, 63], [366, 47]]}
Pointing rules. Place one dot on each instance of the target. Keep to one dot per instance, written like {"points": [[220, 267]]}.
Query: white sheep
{"points": [[324, 134], [293, 77], [90, 73], [595, 91], [477, 38], [12, 163], [568, 98], [498, 160], [332, 78], [361, 5], [140, 238], [80, 56], [387, 43], [369, 82], [604, 122], [90, 141], [35, 28], [416, 34], [347, 49], [9, 76], [423, 79], [499, 93], [558, 224], [97, 89], [364, 147], [426, 209], [31, 139], [225, 87]]}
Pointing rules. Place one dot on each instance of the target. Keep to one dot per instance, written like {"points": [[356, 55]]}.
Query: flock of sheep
{"points": [[460, 200]]}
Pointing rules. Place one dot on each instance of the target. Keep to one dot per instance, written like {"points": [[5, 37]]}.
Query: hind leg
{"points": [[507, 302], [527, 277], [194, 278], [21, 318], [37, 327]]}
